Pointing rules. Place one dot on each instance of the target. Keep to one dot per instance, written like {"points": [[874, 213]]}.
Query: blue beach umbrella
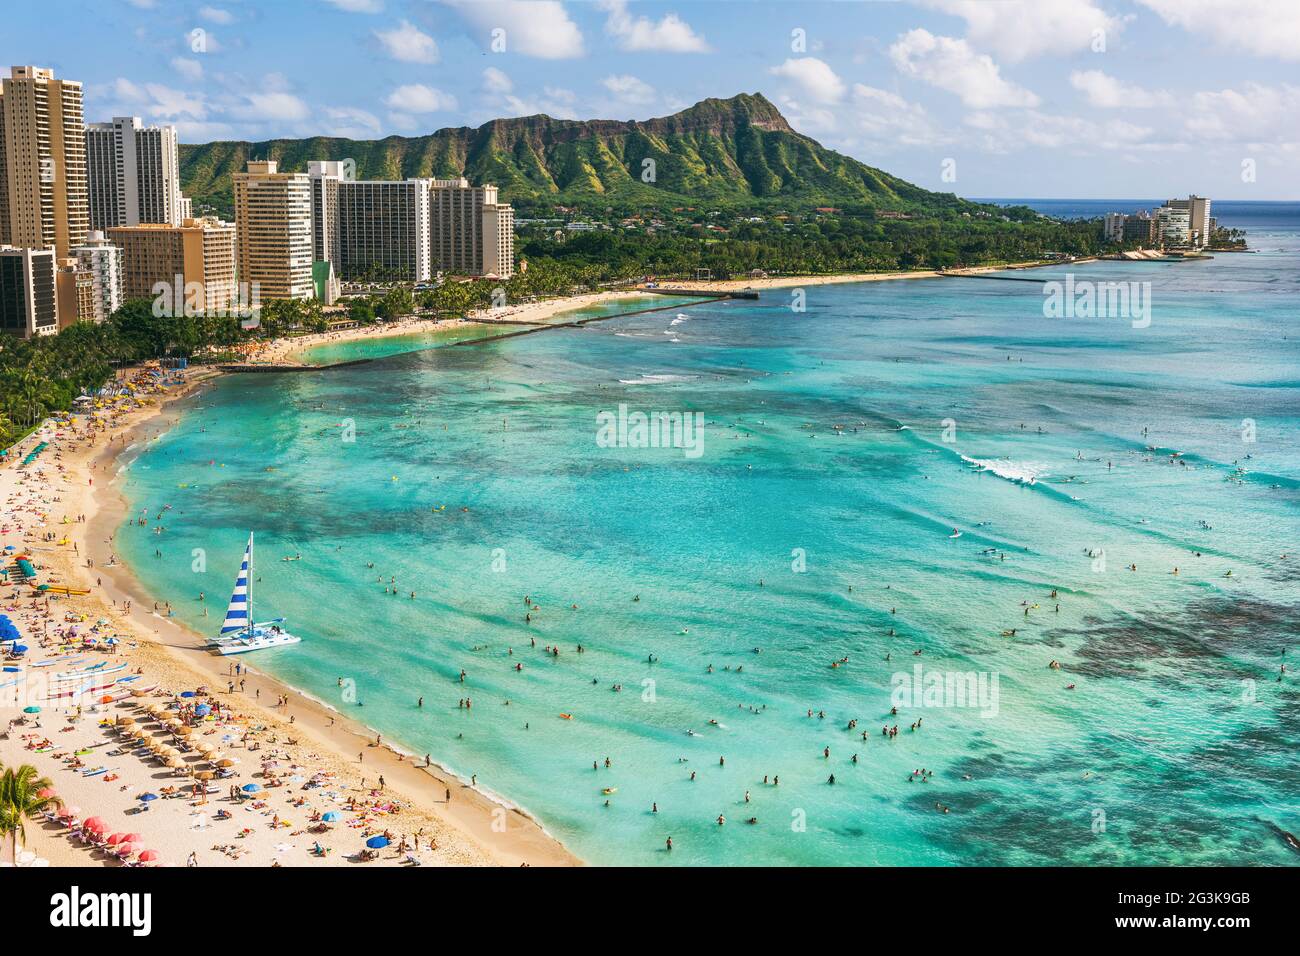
{"points": [[31, 710], [250, 788], [147, 797], [330, 817], [377, 842], [202, 710], [188, 693], [20, 648]]}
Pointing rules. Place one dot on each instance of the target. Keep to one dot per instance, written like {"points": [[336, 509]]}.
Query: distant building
{"points": [[42, 161], [133, 174], [101, 259], [1140, 229], [195, 261], [28, 295], [1197, 209], [1173, 225], [273, 230], [1113, 229]]}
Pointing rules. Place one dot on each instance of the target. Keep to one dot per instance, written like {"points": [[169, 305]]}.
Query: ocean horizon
{"points": [[913, 495]]}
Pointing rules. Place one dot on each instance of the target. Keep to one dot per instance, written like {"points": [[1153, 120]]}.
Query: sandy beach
{"points": [[62, 510], [292, 349]]}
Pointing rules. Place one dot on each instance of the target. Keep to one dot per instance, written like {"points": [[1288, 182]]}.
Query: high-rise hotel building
{"points": [[370, 230], [42, 161], [133, 174], [473, 233], [274, 231]]}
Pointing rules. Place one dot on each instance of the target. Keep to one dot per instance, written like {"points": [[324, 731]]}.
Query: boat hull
{"points": [[262, 638]]}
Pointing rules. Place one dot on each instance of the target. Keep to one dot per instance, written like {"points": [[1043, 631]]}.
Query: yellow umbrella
{"points": [[225, 762]]}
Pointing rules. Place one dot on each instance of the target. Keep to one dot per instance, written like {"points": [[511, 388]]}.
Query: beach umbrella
{"points": [[202, 710], [251, 788], [31, 710], [45, 793], [67, 813], [95, 823], [187, 693], [117, 838], [204, 775], [185, 730], [147, 797], [204, 747], [148, 856], [330, 817], [126, 721], [175, 763], [225, 762], [377, 842]]}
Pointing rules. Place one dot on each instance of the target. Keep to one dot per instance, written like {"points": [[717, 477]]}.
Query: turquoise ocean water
{"points": [[475, 478]]}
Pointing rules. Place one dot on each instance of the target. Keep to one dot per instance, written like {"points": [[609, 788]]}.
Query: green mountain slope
{"points": [[738, 151]]}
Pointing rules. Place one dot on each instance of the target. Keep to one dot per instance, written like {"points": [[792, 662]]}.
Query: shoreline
{"points": [[291, 350], [481, 828]]}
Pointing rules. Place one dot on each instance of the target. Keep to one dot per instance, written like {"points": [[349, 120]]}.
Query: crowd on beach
{"points": [[147, 764]]}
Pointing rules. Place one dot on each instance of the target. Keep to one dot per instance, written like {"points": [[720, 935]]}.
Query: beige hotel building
{"points": [[42, 162], [200, 251], [274, 231]]}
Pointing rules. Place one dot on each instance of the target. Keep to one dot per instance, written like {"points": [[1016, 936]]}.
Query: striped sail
{"points": [[237, 612]]}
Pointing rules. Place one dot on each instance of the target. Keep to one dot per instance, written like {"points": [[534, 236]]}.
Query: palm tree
{"points": [[19, 802]]}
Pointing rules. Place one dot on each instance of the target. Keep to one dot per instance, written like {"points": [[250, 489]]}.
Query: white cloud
{"points": [[952, 65], [273, 105], [495, 81], [1019, 29], [669, 35], [216, 15], [554, 101], [882, 115], [868, 121], [1256, 114], [159, 101], [1002, 133], [190, 69], [1261, 27], [407, 43], [629, 89], [1111, 93], [350, 122], [814, 77], [418, 98], [539, 28], [358, 6]]}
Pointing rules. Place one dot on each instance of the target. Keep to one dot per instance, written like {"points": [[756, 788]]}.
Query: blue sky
{"points": [[1033, 98]]}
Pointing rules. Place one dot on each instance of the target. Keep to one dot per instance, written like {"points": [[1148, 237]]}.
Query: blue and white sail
{"points": [[237, 614]]}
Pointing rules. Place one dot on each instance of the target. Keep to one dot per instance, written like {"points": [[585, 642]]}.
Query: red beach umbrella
{"points": [[117, 838], [148, 856], [96, 824], [45, 793]]}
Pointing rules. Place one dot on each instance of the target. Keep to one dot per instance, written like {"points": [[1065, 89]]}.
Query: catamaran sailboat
{"points": [[239, 634]]}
